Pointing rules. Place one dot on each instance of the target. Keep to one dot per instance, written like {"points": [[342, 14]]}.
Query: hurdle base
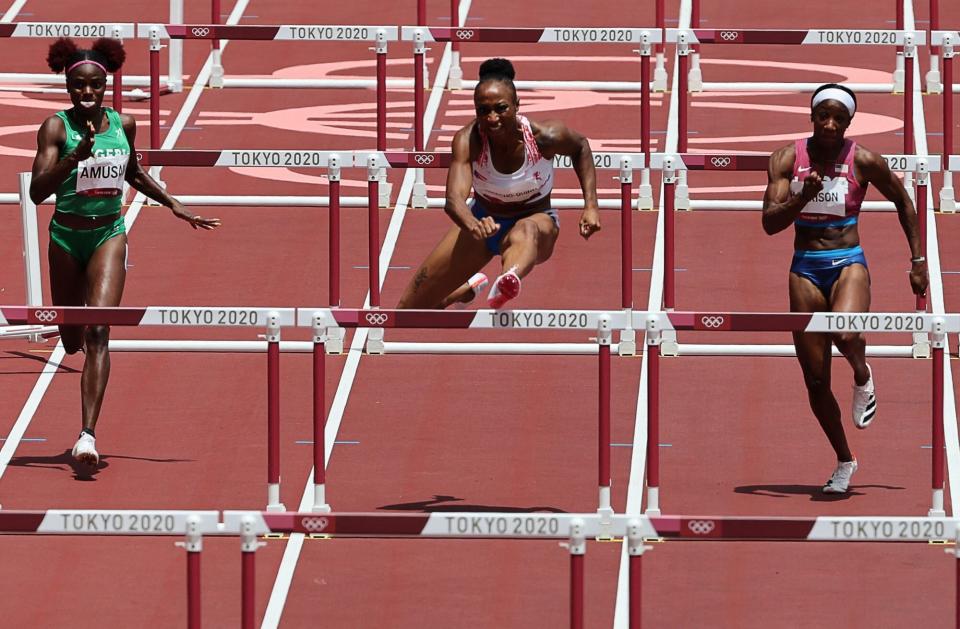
{"points": [[628, 343], [921, 345], [645, 196], [948, 205], [936, 505], [418, 200], [653, 502], [659, 74], [455, 76], [375, 341], [334, 341], [668, 343], [273, 498], [320, 499]]}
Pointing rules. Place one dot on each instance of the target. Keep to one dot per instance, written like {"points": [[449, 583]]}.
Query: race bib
{"points": [[831, 200], [102, 176]]}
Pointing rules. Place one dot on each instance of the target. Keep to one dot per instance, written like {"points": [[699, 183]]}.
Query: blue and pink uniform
{"points": [[836, 205]]}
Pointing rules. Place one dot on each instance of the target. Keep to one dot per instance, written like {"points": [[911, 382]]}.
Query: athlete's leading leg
{"points": [[68, 287], [851, 293], [439, 280]]}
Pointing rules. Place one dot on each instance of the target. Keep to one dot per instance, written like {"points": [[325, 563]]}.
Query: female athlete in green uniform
{"points": [[84, 155]]}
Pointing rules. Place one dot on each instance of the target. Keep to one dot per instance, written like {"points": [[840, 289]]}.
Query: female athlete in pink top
{"points": [[507, 160], [817, 185]]}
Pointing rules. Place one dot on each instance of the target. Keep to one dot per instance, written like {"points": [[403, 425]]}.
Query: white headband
{"points": [[834, 93]]}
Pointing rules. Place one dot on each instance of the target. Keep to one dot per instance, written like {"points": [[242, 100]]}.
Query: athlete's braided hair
{"points": [[498, 69], [106, 52]]}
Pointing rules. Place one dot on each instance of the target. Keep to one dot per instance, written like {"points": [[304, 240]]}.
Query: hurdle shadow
{"points": [[814, 492], [441, 504], [11, 355], [65, 462]]}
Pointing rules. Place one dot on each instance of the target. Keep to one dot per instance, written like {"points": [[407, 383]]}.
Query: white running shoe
{"points": [[864, 402], [85, 449], [506, 287], [840, 480]]}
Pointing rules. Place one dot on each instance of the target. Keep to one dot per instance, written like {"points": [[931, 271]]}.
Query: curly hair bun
{"points": [[60, 53], [497, 68], [112, 52]]}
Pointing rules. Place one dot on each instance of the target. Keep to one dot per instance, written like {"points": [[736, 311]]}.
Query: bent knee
{"points": [[96, 336], [848, 338], [524, 232]]}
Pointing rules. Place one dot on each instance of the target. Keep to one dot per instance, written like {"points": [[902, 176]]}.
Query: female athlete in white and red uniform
{"points": [[507, 160], [818, 185]]}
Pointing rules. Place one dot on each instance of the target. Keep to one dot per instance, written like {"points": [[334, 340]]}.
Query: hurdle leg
{"points": [[578, 548], [248, 573], [216, 68], [604, 337], [273, 413], [934, 86], [635, 550], [193, 544], [947, 201], [381, 51], [418, 198], [333, 177], [455, 77], [175, 50], [319, 420], [937, 463], [154, 88], [653, 415]]}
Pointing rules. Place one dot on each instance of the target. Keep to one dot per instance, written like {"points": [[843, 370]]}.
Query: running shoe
{"points": [[478, 283], [506, 287], [864, 402], [840, 480], [85, 449]]}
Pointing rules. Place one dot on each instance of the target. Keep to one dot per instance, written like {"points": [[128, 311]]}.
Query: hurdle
{"points": [[937, 326], [688, 43], [676, 195], [933, 75], [574, 529], [271, 320], [686, 38], [379, 35], [320, 320]]}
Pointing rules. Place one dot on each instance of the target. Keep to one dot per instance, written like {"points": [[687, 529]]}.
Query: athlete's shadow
{"points": [[436, 505], [815, 492], [82, 472]]}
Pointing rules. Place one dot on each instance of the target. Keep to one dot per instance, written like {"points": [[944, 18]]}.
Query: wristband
{"points": [[918, 259]]}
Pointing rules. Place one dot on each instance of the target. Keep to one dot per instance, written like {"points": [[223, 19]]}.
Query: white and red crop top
{"points": [[838, 204], [531, 182]]}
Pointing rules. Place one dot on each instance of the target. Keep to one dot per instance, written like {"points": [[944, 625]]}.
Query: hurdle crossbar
{"points": [[687, 39]]}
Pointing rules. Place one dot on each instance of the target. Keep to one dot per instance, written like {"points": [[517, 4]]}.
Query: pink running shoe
{"points": [[506, 287]]}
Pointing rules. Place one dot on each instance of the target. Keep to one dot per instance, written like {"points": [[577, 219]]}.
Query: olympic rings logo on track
{"points": [[712, 321], [721, 162], [729, 35], [423, 159], [701, 527], [46, 316], [464, 34], [315, 525], [376, 318], [200, 31]]}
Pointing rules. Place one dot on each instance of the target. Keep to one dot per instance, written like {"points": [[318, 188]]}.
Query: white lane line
{"points": [[46, 377], [937, 303], [638, 459], [13, 11], [291, 553]]}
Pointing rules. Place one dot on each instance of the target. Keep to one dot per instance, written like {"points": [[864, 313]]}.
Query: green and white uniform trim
{"points": [[95, 186]]}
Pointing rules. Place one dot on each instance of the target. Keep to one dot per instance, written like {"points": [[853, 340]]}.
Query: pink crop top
{"points": [[838, 204]]}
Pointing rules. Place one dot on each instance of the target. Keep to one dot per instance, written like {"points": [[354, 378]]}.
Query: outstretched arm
{"points": [[139, 178], [558, 139], [875, 170], [781, 206]]}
